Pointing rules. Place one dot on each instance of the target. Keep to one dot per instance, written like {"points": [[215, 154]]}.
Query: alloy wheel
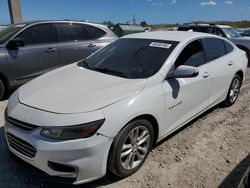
{"points": [[135, 147], [234, 90]]}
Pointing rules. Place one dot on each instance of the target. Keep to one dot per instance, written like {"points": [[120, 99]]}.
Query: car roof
{"points": [[169, 35], [205, 25], [57, 21]]}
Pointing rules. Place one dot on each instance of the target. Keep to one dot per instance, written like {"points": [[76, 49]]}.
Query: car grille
{"points": [[21, 125], [21, 146]]}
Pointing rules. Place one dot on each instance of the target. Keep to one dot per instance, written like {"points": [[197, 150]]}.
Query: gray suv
{"points": [[30, 49], [223, 31]]}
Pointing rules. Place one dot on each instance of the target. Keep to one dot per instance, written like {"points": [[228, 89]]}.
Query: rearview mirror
{"points": [[184, 71], [15, 43]]}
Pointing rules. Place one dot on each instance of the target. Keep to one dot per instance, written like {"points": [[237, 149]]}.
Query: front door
{"points": [[186, 97], [39, 55]]}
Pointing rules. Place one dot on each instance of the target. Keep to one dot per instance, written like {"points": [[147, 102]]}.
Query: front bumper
{"points": [[88, 157]]}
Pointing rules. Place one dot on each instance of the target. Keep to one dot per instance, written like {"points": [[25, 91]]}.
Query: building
{"points": [[126, 29]]}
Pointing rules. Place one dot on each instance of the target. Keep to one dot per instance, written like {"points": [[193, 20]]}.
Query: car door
{"points": [[220, 59], [187, 97], [74, 42], [96, 38], [39, 55]]}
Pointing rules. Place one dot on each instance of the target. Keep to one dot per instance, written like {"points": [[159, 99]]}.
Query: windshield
{"points": [[231, 33], [8, 32], [131, 58]]}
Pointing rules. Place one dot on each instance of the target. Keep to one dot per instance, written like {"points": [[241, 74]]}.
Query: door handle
{"points": [[91, 45], [230, 63], [206, 74], [50, 50]]}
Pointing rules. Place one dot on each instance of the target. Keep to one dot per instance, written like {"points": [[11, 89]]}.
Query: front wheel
{"points": [[130, 148], [234, 91], [248, 57]]}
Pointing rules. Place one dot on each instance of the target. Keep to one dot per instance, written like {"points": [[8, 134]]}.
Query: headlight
{"points": [[72, 132]]}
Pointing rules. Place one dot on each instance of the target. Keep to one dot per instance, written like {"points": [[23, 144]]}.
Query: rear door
{"points": [[218, 55], [75, 43], [39, 55], [96, 37]]}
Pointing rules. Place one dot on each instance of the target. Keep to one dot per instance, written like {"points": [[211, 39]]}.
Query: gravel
{"points": [[211, 151]]}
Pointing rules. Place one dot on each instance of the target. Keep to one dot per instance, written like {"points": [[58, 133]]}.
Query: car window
{"points": [[211, 30], [39, 34], [95, 33], [192, 55], [184, 28], [214, 48], [203, 29], [228, 47], [131, 58], [69, 32], [231, 33], [218, 32], [9, 32]]}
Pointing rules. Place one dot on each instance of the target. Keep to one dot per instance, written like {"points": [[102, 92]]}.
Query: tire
{"points": [[122, 166], [248, 57], [233, 91], [1, 89]]}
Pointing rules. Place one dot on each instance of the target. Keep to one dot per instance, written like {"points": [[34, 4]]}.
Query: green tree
{"points": [[144, 24], [109, 24]]}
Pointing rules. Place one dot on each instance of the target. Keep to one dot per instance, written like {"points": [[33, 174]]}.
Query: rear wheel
{"points": [[234, 91], [130, 148], [1, 89]]}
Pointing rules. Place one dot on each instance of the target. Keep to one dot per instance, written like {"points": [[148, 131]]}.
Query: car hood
{"points": [[73, 89]]}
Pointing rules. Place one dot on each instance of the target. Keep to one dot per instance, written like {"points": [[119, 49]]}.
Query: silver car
{"points": [[30, 49]]}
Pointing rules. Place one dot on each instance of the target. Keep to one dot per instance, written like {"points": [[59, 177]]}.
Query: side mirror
{"points": [[184, 71], [15, 43]]}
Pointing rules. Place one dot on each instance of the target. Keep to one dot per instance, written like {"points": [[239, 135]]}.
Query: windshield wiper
{"points": [[109, 71], [84, 64]]}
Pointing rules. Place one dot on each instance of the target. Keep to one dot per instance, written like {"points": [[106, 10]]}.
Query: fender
{"points": [[244, 48]]}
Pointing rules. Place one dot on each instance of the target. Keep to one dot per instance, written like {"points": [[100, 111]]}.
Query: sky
{"points": [[121, 11]]}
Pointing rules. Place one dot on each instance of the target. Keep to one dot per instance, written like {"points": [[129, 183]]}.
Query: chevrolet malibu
{"points": [[107, 111]]}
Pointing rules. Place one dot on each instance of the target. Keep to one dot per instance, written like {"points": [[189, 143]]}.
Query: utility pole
{"points": [[134, 20], [15, 11]]}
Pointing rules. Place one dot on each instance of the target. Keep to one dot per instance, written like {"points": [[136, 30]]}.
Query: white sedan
{"points": [[107, 111]]}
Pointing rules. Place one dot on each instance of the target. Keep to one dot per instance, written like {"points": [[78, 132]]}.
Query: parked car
{"points": [[116, 104], [223, 31], [246, 33], [2, 27], [30, 49]]}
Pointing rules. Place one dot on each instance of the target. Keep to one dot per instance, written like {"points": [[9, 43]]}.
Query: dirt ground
{"points": [[211, 151]]}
